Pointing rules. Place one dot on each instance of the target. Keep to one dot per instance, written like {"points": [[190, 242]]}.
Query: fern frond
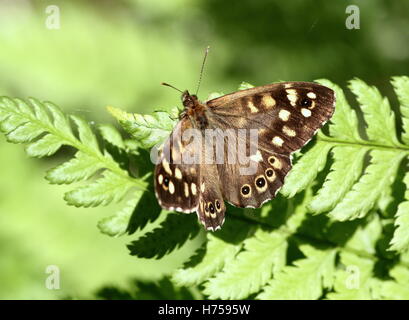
{"points": [[400, 240], [306, 170], [355, 279], [346, 169], [379, 117], [117, 224], [396, 289], [352, 187], [378, 175], [149, 130], [218, 253], [344, 122], [307, 279], [111, 187], [44, 128], [401, 86], [263, 254], [172, 233]]}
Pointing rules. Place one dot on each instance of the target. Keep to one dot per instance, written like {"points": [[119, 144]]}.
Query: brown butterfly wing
{"points": [[286, 116], [211, 207], [187, 187], [177, 183]]}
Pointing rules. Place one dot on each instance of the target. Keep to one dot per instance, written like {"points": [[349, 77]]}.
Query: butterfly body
{"points": [[282, 117]]}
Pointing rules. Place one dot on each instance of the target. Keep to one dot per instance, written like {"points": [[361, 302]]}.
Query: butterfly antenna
{"points": [[169, 85], [201, 70]]}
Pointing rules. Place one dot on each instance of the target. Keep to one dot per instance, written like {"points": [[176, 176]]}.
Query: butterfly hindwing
{"points": [[211, 207], [257, 182], [176, 183]]}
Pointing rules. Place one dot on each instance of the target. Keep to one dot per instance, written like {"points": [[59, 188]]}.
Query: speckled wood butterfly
{"points": [[285, 115]]}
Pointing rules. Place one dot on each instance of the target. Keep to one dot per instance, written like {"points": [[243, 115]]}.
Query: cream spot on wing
{"points": [[202, 187], [256, 157], [181, 147], [311, 95], [306, 113], [287, 85], [165, 165], [171, 187], [268, 101], [312, 106], [262, 131], [178, 174], [275, 162], [193, 188], [289, 132], [186, 187], [192, 170], [160, 179], [292, 96], [252, 107], [277, 141], [284, 114]]}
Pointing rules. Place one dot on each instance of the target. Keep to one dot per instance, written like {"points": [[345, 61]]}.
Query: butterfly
{"points": [[285, 117]]}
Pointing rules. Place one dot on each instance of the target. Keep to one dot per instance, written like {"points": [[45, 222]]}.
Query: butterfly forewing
{"points": [[286, 114]]}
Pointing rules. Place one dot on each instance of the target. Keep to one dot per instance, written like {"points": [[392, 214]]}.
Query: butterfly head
{"points": [[189, 101]]}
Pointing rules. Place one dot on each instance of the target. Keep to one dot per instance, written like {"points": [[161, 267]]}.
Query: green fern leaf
{"points": [[306, 170], [149, 130], [263, 254], [379, 175], [45, 146], [398, 288], [86, 135], [25, 133], [218, 253], [172, 233], [111, 135], [81, 167], [60, 120], [45, 129], [117, 224], [401, 86], [40, 112], [307, 279], [400, 240], [103, 191], [346, 169], [344, 122], [378, 114], [146, 210], [355, 282]]}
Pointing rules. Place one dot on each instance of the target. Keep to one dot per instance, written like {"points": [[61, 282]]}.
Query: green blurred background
{"points": [[116, 52]]}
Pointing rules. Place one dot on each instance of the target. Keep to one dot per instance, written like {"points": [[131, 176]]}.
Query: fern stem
{"points": [[363, 144]]}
